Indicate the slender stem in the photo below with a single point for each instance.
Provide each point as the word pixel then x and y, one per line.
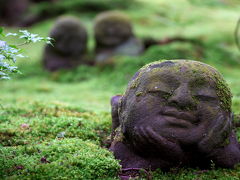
pixel 236 34
pixel 24 43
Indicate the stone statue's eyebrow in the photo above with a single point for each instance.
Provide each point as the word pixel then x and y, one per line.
pixel 159 86
pixel 170 80
pixel 202 86
pixel 198 82
pixel 206 91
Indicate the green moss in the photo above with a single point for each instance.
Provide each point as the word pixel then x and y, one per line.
pixel 190 174
pixel 139 93
pixel 47 121
pixel 88 89
pixel 58 159
pixel 119 137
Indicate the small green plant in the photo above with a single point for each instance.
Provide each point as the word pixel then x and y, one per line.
pixel 9 52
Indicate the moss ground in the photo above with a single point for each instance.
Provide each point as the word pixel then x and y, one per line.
pixel 54 125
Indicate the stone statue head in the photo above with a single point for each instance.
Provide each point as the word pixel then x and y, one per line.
pixel 112 28
pixel 70 36
pixel 175 110
pixel 69 45
pixel 183 101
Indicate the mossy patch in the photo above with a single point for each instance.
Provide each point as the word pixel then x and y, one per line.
pixel 59 159
pixel 45 122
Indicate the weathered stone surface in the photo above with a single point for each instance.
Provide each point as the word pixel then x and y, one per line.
pixel 174 113
pixel 114 36
pixel 70 45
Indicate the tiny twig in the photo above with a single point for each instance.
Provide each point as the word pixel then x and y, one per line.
pixel 24 43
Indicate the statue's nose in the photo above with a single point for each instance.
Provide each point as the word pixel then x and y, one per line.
pixel 182 98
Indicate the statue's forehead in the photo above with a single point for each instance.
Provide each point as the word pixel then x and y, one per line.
pixel 188 69
pixel 178 72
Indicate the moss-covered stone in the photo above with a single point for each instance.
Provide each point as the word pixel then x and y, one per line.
pixel 58 159
pixel 174 113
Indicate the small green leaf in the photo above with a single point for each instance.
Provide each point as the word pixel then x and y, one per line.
pixel 11 34
pixel 1 32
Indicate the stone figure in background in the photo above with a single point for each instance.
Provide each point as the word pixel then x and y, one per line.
pixel 69 46
pixel 114 36
pixel 174 113
pixel 12 11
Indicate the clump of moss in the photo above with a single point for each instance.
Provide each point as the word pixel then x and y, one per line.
pixel 58 159
pixel 194 68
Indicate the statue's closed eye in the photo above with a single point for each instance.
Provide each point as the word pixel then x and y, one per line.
pixel 160 93
pixel 201 97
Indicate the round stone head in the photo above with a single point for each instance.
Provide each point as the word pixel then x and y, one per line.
pixel 70 37
pixel 178 101
pixel 112 28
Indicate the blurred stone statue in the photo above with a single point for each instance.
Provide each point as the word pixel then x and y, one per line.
pixel 69 45
pixel 174 113
pixel 12 11
pixel 114 36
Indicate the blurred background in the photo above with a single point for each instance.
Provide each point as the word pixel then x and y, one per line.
pixel 183 29
pixel 205 29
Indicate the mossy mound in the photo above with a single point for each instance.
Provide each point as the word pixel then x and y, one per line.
pixel 58 159
pixel 44 122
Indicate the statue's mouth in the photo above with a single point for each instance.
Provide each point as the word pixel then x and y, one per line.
pixel 178 118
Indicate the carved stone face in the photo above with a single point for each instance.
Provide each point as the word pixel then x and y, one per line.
pixel 181 102
pixel 112 28
pixel 70 37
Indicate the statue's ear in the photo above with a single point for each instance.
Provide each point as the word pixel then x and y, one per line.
pixel 115 118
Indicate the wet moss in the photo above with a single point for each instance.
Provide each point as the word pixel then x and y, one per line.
pixel 70 158
pixel 118 136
